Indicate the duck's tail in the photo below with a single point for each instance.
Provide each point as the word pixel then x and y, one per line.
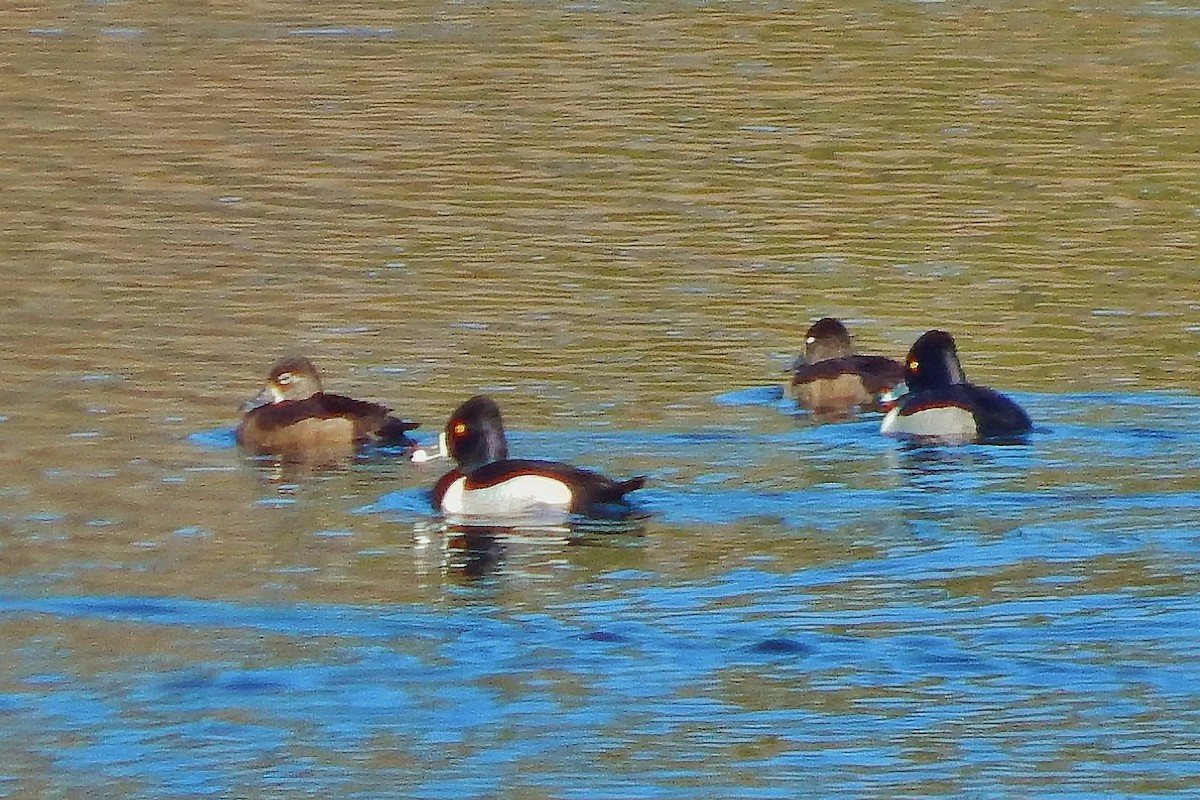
pixel 393 430
pixel 621 488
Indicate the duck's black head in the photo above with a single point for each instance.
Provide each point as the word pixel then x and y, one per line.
pixel 932 362
pixel 475 434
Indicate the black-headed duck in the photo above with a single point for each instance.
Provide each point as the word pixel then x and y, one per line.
pixel 487 484
pixel 942 405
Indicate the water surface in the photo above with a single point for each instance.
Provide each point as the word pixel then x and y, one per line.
pixel 619 219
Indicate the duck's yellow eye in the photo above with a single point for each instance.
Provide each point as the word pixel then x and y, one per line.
pixel 912 365
pixel 459 428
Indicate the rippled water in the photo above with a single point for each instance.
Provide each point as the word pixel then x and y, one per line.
pixel 618 219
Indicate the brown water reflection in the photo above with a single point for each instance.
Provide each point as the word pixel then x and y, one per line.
pixel 615 214
pixel 192 194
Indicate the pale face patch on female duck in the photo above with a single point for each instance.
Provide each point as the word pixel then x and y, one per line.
pixel 945 422
pixel 291 378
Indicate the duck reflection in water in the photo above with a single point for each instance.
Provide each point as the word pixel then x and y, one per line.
pixel 472 552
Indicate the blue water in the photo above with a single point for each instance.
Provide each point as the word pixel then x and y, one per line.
pixel 807 611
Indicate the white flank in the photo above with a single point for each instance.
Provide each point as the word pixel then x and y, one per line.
pixel 945 422
pixel 519 496
pixel 452 500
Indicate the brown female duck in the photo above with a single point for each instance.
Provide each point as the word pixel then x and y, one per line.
pixel 295 419
pixel 830 378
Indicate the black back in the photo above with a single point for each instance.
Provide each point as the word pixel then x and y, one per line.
pixel 996 415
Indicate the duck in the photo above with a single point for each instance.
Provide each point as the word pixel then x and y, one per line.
pixel 831 379
pixel 294 418
pixel 488 485
pixel 941 404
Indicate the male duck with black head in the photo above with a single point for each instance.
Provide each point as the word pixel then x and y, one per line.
pixel 488 485
pixel 942 406
pixel 831 380
pixel 295 419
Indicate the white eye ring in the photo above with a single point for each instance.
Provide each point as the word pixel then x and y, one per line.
pixel 285 378
pixel 810 340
